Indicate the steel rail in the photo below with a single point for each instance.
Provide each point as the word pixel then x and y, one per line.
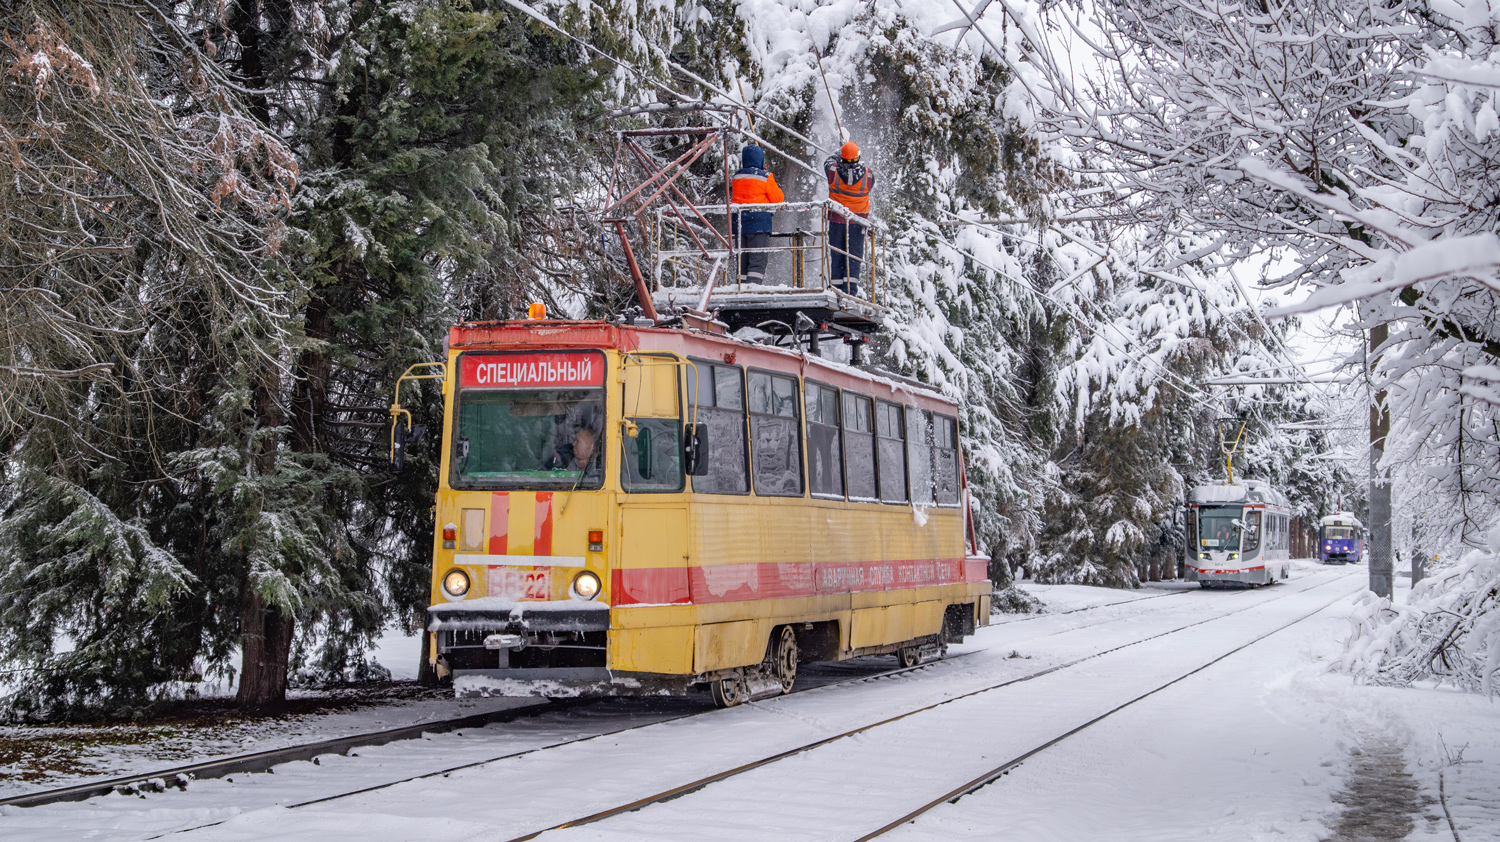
pixel 262 760
pixel 996 773
pixel 1045 615
pixel 694 786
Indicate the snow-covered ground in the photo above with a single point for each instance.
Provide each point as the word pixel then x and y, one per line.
pixel 1253 743
pixel 43 757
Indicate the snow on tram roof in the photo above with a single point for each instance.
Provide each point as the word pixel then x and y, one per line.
pixel 601 334
pixel 1246 491
pixel 1340 519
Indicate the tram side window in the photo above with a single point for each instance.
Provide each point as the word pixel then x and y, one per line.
pixel 890 452
pixel 775 435
pixel 1250 539
pixel 919 454
pixel 859 446
pixel 721 410
pixel 825 463
pixel 945 459
pixel 653 456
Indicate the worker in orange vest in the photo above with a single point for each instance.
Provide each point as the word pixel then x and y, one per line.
pixel 753 185
pixel 849 184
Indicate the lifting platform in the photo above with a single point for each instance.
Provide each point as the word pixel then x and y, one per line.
pixel 693 259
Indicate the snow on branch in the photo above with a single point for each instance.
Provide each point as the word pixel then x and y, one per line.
pixel 1448 630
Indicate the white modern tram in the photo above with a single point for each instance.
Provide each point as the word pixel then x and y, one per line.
pixel 1237 534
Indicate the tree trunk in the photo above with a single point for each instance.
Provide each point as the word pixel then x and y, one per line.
pixel 1380 478
pixel 426 675
pixel 266 646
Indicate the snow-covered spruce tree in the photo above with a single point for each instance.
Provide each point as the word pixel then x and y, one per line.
pixel 139 202
pixel 437 142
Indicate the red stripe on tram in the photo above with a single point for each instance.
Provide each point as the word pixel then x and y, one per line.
pixel 649 586
pixel 781 580
pixel 499 522
pixel 542 537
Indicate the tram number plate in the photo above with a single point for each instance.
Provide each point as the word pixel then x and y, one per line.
pixel 521 584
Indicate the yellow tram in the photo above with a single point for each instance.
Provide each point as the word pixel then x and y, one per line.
pixel 632 509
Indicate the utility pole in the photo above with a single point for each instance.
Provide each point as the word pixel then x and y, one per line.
pixel 1380 478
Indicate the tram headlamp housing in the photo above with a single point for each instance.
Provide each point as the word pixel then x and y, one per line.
pixel 456 583
pixel 586 585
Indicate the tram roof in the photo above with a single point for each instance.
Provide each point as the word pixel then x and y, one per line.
pixel 546 333
pixel 1245 491
pixel 1340 519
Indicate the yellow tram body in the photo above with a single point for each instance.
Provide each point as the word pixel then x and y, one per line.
pixel 697 576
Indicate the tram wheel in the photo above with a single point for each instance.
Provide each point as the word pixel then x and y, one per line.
pixel 730 691
pixel 909 656
pixel 784 663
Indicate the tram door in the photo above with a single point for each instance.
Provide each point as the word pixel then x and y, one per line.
pixel 651 562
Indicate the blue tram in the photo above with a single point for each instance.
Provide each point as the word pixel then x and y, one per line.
pixel 1341 539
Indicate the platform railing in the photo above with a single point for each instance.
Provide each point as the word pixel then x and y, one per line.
pixel 800 252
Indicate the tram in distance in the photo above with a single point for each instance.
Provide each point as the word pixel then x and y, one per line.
pixel 628 510
pixel 1341 539
pixel 1237 534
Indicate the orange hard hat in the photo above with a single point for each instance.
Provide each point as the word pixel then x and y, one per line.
pixel 850 151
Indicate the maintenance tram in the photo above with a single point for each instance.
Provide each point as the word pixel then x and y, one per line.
pixel 630 509
pixel 1239 533
pixel 1340 539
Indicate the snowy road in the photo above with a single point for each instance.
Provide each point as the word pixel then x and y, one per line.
pixel 1255 745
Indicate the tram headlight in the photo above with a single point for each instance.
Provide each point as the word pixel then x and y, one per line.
pixel 1233 556
pixel 586 585
pixel 456 583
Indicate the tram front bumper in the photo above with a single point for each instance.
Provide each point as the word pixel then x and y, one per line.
pixel 503 616
pixel 561 643
pixel 1258 576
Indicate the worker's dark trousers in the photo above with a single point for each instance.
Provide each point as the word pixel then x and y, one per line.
pixel 845 237
pixel 753 263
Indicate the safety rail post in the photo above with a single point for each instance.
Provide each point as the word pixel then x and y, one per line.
pixel 823 221
pixel 799 261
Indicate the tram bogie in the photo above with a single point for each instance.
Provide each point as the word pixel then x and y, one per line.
pixel 639 510
pixel 1239 534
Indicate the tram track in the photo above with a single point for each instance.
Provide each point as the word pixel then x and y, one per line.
pixel 180 776
pixel 994 774
pixel 560 744
pixel 989 776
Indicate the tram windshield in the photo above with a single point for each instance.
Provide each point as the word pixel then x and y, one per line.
pixel 1217 529
pixel 1338 532
pixel 529 439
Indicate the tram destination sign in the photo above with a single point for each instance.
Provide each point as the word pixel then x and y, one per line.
pixel 560 370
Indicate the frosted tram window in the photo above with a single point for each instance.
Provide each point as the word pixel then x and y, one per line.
pixel 945 459
pixel 775 435
pixel 721 410
pixel 919 455
pixel 528 439
pixel 890 452
pixel 859 446
pixel 825 463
